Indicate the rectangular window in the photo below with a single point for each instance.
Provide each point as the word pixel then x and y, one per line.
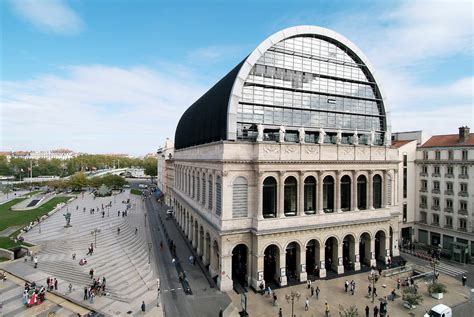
pixel 464 155
pixel 464 170
pixel 423 200
pixel 436 185
pixel 450 155
pixel 462 224
pixel 437 155
pixel 424 169
pixel 463 205
pixel 463 187
pixel 425 155
pixel 449 203
pixel 435 219
pixel 423 216
pixel 450 170
pixel 405 176
pixel 435 202
pixel 405 212
pixel 424 185
pixel 449 222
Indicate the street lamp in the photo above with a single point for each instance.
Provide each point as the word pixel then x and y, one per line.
pixel 373 278
pixel 149 252
pixel 292 296
pixel 95 232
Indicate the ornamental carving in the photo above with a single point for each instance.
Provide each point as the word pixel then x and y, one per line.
pixel 312 150
pixel 361 151
pixel 346 151
pixel 290 149
pixel 271 149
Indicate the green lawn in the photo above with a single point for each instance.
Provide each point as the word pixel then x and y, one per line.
pixel 32 193
pixel 136 191
pixel 22 218
pixel 7 243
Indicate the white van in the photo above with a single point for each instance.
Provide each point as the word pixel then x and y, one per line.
pixel 440 311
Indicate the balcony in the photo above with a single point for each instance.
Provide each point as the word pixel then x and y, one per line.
pixel 424 206
pixel 448 209
pixel 462 212
pixel 449 175
pixel 435 191
pixel 463 194
pixel 423 189
pixel 422 221
pixel 449 192
pixel 435 175
pixel 435 224
pixel 435 207
pixel 463 176
pixel 424 174
pixel 448 226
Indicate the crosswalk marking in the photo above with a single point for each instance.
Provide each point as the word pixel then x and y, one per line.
pixel 448 269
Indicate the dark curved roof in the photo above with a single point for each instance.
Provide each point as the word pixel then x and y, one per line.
pixel 205 120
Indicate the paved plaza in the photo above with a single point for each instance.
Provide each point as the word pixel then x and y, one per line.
pixel 332 292
pixel 120 257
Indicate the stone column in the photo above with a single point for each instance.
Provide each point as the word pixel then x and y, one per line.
pixel 198 243
pixel 387 249
pixel 301 194
pixel 190 228
pixel 224 279
pixel 357 258
pixel 319 194
pixel 195 236
pixel 373 262
pixel 322 263
pixel 354 200
pixel 258 265
pixel 204 251
pixel 337 192
pixel 384 189
pixel 395 239
pixel 339 262
pixel 370 191
pixel 259 199
pixel 281 195
pixel 303 275
pixel 395 187
pixel 214 199
pixel 282 277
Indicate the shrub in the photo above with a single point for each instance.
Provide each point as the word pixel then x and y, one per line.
pixel 437 288
pixel 411 296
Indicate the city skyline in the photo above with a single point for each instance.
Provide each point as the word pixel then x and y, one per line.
pixel 127 84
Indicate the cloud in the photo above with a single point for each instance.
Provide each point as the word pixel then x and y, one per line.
pixel 212 54
pixel 95 108
pixel 49 15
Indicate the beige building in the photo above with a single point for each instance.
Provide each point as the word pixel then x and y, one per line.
pixel 284 169
pixel 164 167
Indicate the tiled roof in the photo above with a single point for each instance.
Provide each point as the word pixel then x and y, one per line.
pixel 448 140
pixel 401 143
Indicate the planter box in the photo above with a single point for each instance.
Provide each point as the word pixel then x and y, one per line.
pixel 437 295
pixel 406 305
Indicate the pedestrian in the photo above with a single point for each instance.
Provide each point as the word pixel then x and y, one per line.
pixel 55 284
pixel 308 283
pixel 464 279
pixel 118 213
pixel 118 230
pixel 317 292
pixel 173 261
pixel 136 230
pixel 70 287
pixel 326 309
pixel 48 280
pixel 103 214
pixel 35 261
pixel 74 256
pixel 369 289
pixel 312 290
pixel 306 304
pixel 393 295
pixel 91 298
pixel 91 273
pixel 85 293
pixel 194 260
pixel 375 291
pixel 376 311
pixel 398 283
pixel 143 306
pixel 380 271
pixel 367 311
pixel 280 313
pixel 346 285
pixel 221 313
pixel 275 299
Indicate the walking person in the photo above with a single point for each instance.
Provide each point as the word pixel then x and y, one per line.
pixel 306 304
pixel 326 309
pixel 55 284
pixel 346 285
pixel 376 311
pixel 367 311
pixel 143 306
pixel 312 290
pixel 35 261
pixel 275 299
pixel 85 293
pixel 369 290
pixel 464 279
pixel 317 292
pixel 91 273
pixel 118 231
pixel 375 291
pixel 398 283
pixel 91 298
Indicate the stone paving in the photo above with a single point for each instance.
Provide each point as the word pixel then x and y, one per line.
pixel 121 258
pixel 332 292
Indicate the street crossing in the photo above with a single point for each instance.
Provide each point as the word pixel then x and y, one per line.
pixel 448 269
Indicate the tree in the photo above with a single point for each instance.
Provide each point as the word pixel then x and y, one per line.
pixel 349 312
pixel 412 297
pixel 150 165
pixel 6 190
pixel 78 181
pixel 437 288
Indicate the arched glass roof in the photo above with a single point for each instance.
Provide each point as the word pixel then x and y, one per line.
pixel 304 76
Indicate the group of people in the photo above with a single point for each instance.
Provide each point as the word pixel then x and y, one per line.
pixel 350 286
pixel 97 288
pixel 52 283
pixel 33 294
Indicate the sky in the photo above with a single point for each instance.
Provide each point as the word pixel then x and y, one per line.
pixel 115 76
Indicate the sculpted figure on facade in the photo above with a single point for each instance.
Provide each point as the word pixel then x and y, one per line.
pixel 282 133
pixel 321 136
pixel 259 132
pixel 355 138
pixel 339 136
pixel 372 137
pixel 301 134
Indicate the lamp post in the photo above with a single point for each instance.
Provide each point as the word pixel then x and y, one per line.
pixel 149 252
pixel 373 278
pixel 95 232
pixel 145 219
pixel 434 262
pixel 291 297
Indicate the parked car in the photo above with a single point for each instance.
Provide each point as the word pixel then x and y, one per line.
pixel 440 310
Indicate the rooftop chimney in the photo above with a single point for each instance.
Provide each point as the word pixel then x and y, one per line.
pixel 463 134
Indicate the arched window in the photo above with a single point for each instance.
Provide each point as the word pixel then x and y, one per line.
pixel 211 197
pixel 203 195
pixel 345 193
pixel 361 192
pixel 239 198
pixel 198 192
pixel 328 194
pixel 218 195
pixel 310 195
pixel 291 196
pixel 377 186
pixel 269 198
